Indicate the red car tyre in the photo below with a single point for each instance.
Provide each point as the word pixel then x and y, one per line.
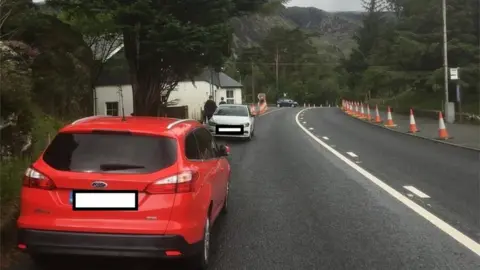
pixel 200 261
pixel 225 203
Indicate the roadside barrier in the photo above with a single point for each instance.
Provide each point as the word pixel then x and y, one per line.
pixel 253 110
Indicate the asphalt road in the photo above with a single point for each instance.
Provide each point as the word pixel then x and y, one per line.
pixel 295 205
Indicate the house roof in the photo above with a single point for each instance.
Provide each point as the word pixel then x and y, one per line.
pixel 115 72
pixel 227 82
pixel 102 46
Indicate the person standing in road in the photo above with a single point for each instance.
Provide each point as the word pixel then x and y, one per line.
pixel 222 101
pixel 209 108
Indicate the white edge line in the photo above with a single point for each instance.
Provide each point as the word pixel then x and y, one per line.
pixel 442 225
pixel 352 154
pixel 416 191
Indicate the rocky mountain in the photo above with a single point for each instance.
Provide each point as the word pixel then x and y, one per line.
pixel 331 31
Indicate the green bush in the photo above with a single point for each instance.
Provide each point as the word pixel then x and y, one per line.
pixel 11 171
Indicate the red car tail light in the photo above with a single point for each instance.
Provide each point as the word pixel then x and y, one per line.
pixel 36 179
pixel 179 183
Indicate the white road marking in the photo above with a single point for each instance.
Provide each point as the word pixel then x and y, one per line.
pixel 352 154
pixel 304 122
pixel 325 138
pixel 439 223
pixel 416 192
pixel 310 128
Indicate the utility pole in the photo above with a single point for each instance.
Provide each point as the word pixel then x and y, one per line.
pixel 445 58
pixel 276 69
pixel 253 84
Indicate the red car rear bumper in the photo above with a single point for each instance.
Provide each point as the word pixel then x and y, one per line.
pixel 101 244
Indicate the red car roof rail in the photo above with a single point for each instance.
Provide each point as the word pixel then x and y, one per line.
pixel 88 118
pixel 171 125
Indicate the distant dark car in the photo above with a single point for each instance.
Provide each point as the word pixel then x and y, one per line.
pixel 285 102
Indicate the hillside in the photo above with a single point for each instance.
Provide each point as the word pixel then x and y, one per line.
pixel 332 32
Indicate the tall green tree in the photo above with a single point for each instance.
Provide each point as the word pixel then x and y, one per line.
pixel 99 32
pixel 166 41
pixel 403 54
pixel 303 73
pixel 367 38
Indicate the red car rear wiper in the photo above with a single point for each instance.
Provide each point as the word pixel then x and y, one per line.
pixel 119 166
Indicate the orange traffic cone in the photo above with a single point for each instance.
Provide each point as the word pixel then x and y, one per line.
pixel 378 120
pixel 389 122
pixel 442 130
pixel 369 116
pixel 362 112
pixel 413 125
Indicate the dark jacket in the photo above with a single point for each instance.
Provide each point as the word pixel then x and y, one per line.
pixel 209 107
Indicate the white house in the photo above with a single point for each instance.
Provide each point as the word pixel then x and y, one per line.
pixel 114 82
pixel 195 94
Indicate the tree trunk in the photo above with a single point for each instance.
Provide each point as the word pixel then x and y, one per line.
pixel 145 101
pixel 146 78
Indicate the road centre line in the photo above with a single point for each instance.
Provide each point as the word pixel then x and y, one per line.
pixel 439 223
pixel 416 192
pixel 352 154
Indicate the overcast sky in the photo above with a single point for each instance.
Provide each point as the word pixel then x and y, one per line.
pixel 329 5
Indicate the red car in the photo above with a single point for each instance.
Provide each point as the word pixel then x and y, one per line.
pixel 131 187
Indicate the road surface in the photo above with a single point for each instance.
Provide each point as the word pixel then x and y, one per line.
pixel 296 205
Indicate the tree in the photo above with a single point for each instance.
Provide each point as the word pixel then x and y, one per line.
pixel 400 51
pixel 303 74
pixel 100 34
pixel 367 38
pixel 165 42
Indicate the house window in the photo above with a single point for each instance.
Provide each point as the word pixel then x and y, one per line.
pixel 230 97
pixel 111 108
